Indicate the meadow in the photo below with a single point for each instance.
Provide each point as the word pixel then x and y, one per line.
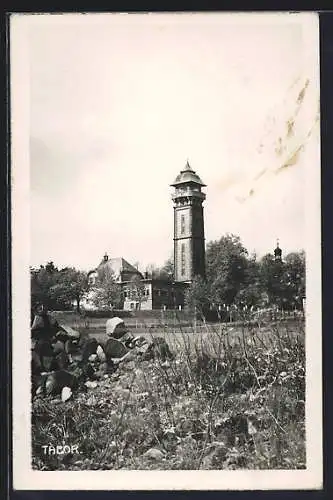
pixel 233 397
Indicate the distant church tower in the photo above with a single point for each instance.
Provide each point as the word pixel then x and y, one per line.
pixel 189 237
pixel 278 252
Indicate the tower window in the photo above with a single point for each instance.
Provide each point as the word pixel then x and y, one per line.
pixel 183 259
pixel 182 224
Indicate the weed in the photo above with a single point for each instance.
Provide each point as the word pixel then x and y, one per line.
pixel 229 399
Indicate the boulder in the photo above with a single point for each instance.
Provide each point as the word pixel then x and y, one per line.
pixel 53 383
pixel 36 364
pixel 114 349
pixel 38 322
pixel 66 394
pixel 61 361
pixel 87 346
pixel 73 350
pixel 153 454
pixel 102 370
pixel 158 348
pixel 215 456
pixel 43 348
pixel 44 326
pixel 44 352
pixel 58 347
pixel 100 354
pixel 70 332
pixel 81 371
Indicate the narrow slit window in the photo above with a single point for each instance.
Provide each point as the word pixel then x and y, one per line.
pixel 183 259
pixel 182 224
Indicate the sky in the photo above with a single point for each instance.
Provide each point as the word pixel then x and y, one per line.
pixel 118 104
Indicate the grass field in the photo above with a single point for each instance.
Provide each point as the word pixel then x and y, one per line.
pixel 232 398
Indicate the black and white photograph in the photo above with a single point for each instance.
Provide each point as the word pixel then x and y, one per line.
pixel 166 251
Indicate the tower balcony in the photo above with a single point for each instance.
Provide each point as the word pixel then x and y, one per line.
pixel 188 193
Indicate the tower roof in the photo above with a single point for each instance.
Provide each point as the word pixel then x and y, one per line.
pixel 277 251
pixel 187 175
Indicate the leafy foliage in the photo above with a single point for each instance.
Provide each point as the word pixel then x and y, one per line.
pixel 70 286
pixel 233 280
pixel 226 268
pixel 54 288
pixel 197 295
pixel 166 272
pixel 107 294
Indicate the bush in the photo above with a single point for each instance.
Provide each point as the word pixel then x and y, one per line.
pixel 107 314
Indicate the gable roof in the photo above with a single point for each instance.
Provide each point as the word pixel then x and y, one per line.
pixel 119 265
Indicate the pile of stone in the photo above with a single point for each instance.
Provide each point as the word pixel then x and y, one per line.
pixel 63 360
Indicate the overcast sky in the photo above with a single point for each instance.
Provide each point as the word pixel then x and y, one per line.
pixel 118 103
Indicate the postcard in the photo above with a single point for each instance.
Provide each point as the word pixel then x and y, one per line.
pixel 166 251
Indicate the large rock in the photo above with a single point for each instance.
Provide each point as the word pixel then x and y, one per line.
pixel 158 348
pixel 153 454
pixel 101 354
pixel 44 326
pixel 53 383
pixel 58 347
pixel 44 320
pixel 114 349
pixel 61 361
pixel 88 346
pixel 73 350
pixel 44 352
pixel 70 332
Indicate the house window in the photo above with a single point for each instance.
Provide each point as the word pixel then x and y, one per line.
pixel 183 259
pixel 182 224
pixel 132 305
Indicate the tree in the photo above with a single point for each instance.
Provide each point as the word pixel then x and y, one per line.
pixel 70 286
pixel 197 295
pixel 168 269
pixel 284 281
pixel 250 293
pixel 107 294
pixel 272 280
pixel 137 290
pixel 166 272
pixel 294 277
pixel 52 288
pixel 226 263
pixel 42 279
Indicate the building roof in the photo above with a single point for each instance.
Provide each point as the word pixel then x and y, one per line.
pixel 187 175
pixel 118 265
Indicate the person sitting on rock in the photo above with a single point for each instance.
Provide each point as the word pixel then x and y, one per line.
pixel 121 343
pixel 118 346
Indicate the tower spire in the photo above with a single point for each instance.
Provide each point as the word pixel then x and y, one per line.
pixel 187 167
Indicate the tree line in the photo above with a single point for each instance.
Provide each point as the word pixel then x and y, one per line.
pixel 233 277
